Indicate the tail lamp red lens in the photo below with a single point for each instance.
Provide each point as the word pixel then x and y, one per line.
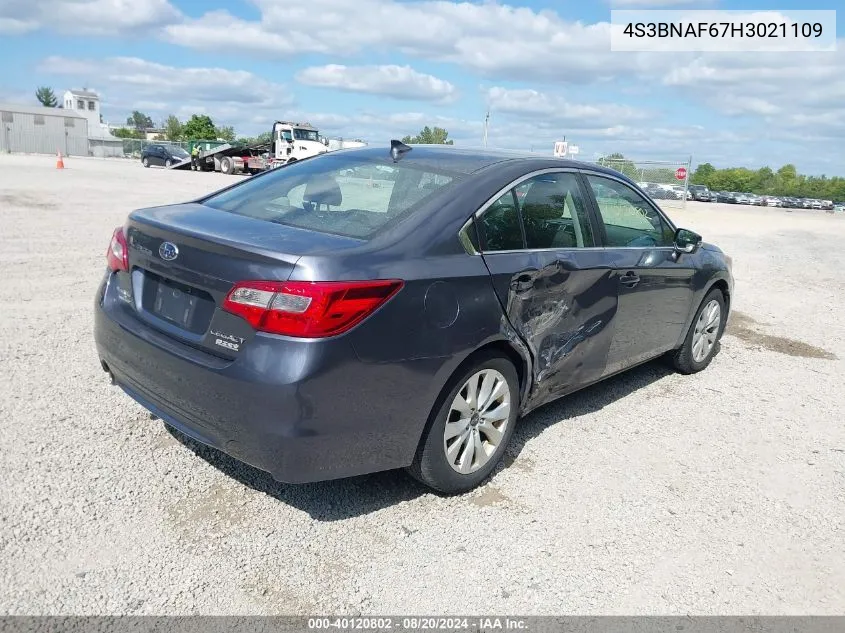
pixel 117 255
pixel 308 309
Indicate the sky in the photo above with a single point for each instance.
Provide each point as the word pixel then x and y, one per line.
pixel 381 69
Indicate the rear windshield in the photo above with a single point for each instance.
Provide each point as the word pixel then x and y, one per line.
pixel 334 193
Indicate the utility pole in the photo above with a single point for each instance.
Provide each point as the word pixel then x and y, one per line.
pixel 486 124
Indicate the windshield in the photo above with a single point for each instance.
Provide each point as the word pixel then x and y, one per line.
pixel 305 135
pixel 337 194
pixel 178 151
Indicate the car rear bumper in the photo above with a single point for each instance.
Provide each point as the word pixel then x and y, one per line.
pixel 301 410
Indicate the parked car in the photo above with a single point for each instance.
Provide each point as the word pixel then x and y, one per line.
pixel 679 189
pixel 728 197
pixel 162 155
pixel 772 201
pixel 701 193
pixel 317 328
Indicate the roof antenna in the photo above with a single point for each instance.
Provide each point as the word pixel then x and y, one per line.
pixel 398 149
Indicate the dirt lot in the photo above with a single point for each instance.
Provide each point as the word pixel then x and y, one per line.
pixel 652 493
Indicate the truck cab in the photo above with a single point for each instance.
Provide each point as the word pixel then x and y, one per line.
pixel 295 141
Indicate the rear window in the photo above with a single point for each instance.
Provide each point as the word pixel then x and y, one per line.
pixel 337 194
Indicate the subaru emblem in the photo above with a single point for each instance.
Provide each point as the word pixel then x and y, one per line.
pixel 168 251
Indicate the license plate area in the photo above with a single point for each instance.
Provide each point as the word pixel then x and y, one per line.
pixel 176 303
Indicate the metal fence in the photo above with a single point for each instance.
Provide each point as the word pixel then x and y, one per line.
pixel 666 182
pixel 20 142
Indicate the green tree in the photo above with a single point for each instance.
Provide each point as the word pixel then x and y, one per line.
pixel 199 127
pixel 173 128
pixel 226 133
pixel 764 181
pixel 139 121
pixel 429 136
pixel 702 174
pixel 45 95
pixel 786 181
pixel 261 139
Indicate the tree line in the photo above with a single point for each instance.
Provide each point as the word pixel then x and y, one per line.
pixel 786 181
pixel 198 127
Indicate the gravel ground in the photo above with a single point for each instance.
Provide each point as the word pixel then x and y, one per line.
pixel 720 493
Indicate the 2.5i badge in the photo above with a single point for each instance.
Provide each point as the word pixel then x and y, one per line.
pixel 227 341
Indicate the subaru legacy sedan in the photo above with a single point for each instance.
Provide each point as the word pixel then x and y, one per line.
pixel 398 307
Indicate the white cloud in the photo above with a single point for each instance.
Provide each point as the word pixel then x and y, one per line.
pixel 129 83
pixel 92 17
pixel 400 82
pixel 549 109
pixel 650 4
pixel 488 38
pixel 778 91
pixel 14 26
pixel 159 81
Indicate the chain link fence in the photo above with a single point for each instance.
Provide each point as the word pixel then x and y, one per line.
pixel 21 142
pixel 666 182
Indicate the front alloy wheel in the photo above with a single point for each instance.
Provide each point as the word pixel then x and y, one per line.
pixel 702 341
pixel 706 331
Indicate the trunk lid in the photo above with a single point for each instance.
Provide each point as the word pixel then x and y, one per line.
pixel 184 259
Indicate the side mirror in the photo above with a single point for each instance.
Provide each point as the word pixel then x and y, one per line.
pixel 686 241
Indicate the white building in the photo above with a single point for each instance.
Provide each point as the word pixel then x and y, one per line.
pixel 87 103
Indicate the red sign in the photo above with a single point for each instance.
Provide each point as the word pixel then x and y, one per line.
pixel 681 173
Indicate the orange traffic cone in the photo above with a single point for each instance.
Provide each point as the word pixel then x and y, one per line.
pixel 60 164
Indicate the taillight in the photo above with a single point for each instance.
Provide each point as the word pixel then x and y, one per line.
pixel 118 254
pixel 310 309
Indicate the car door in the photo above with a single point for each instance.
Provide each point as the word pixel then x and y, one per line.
pixel 155 155
pixel 655 283
pixel 538 240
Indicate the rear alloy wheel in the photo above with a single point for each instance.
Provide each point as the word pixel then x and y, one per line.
pixel 702 341
pixel 467 436
pixel 145 161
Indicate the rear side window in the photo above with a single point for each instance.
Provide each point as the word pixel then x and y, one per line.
pixel 334 194
pixel 554 212
pixel 499 225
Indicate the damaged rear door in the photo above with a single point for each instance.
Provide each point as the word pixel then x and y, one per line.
pixel 538 239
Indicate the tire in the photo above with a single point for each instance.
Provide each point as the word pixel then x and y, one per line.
pixel 431 465
pixel 168 163
pixel 145 162
pixel 227 166
pixel 687 360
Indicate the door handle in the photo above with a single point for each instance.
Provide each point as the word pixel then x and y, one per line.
pixel 630 279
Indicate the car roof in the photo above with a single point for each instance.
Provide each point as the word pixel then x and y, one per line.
pixel 470 160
